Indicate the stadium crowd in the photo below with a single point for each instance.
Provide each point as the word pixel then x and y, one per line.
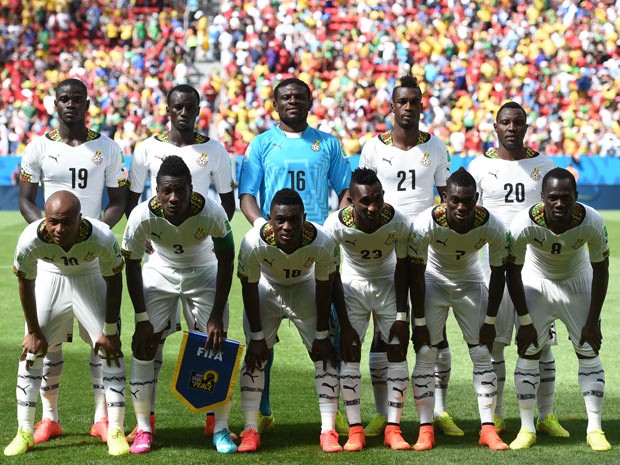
pixel 559 59
pixel 129 55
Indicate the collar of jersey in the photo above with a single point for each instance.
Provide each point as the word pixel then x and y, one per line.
pixel 346 215
pixel 386 138
pixel 529 153
pixel 54 135
pixel 537 215
pixel 165 137
pixel 308 234
pixel 440 215
pixel 86 229
pixel 197 203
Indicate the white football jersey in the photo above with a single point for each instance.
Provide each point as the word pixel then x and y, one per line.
pixel 207 160
pixel 558 256
pixel 83 170
pixel 259 255
pixel 96 251
pixel 369 256
pixel 408 176
pixel 454 256
pixel 508 186
pixel 175 246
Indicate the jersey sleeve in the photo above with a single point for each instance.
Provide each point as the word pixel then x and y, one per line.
pixel 114 175
pixel 339 169
pixel 219 227
pixel 138 169
pixel 24 261
pixel 418 244
pixel 31 163
pixel 222 174
pixel 442 172
pixel 252 171
pixel 327 260
pixel 598 243
pixel 367 158
pixel 498 243
pixel 248 265
pixel 402 240
pixel 110 259
pixel 134 236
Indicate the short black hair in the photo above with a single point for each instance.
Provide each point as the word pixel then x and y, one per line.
pixel 72 82
pixel 364 177
pixel 559 173
pixel 287 196
pixel 512 105
pixel 175 167
pixel 461 177
pixel 408 81
pixel 294 81
pixel 183 89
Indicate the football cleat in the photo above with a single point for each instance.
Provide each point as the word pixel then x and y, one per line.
pixel 489 438
pixel 426 438
pixel 223 442
pixel 550 426
pixel 500 424
pixel 524 440
pixel 100 429
pixel 445 425
pixel 596 440
pixel 22 443
pixel 117 443
pixel 393 438
pixel 375 426
pixel 131 436
pixel 342 425
pixel 250 441
pixel 142 443
pixel 265 423
pixel 356 441
pixel 329 442
pixel 45 430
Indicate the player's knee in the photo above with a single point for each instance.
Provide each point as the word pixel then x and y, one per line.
pixel 498 351
pixel 480 355
pixel 426 355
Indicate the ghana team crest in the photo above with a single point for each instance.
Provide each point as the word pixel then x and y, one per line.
pixel 579 243
pixel 97 159
pixel 426 160
pixel 315 146
pixel 202 160
pixel 390 239
pixel 200 233
pixel 480 243
pixel 89 257
pixel 309 262
pixel 535 174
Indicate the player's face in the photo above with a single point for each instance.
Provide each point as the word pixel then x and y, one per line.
pixel 63 224
pixel 407 106
pixel 461 206
pixel 367 202
pixel 511 126
pixel 287 223
pixel 183 110
pixel 292 104
pixel 559 199
pixel 174 194
pixel 71 104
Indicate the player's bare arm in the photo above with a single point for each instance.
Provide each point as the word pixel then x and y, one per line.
pixel 249 207
pixel 143 342
pixel 257 351
pixel 417 289
pixel 223 281
pixel 591 332
pixel 496 291
pixel 227 201
pixel 133 199
pixel 34 341
pixel 343 199
pixel 322 347
pixel 526 335
pixel 27 206
pixel 116 207
pixel 399 328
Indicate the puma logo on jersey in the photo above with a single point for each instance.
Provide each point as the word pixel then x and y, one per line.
pixel 269 262
pixel 273 144
pixel 539 241
pixel 49 259
pixel 55 158
pixel 157 235
pixel 493 174
pixel 444 243
pixel 388 160
pixel 353 242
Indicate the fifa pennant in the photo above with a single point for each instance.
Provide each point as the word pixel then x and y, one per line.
pixel 203 379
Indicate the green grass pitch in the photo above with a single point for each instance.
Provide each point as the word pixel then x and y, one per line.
pixel 296 437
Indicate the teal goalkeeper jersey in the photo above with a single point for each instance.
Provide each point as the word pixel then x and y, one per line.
pixel 309 164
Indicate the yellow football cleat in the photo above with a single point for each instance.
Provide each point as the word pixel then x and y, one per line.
pixel 22 443
pixel 597 441
pixel 524 440
pixel 445 425
pixel 550 426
